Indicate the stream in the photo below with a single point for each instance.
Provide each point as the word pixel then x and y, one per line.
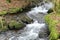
pixel 37 30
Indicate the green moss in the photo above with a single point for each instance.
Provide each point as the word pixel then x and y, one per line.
pixel 16 25
pixel 11 10
pixel 3 25
pixel 3 12
pixel 54 34
pixel 52 26
pixel 14 10
pixel 3 29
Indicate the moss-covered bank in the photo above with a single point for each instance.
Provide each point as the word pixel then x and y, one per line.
pixel 53 22
pixel 12 6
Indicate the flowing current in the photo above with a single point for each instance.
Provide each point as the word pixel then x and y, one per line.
pixel 38 29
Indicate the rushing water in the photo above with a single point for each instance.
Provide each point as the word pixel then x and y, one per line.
pixel 31 31
pixel 34 31
pixel 38 29
pixel 39 12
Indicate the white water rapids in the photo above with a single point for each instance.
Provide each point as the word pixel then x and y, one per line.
pixel 36 30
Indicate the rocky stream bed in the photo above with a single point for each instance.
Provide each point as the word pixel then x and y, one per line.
pixel 36 30
pixel 30 21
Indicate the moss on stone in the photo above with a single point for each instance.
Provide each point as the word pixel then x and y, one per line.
pixel 3 12
pixel 11 10
pixel 16 25
pixel 3 25
pixel 14 10
pixel 26 19
pixel 15 21
pixel 3 29
pixel 54 34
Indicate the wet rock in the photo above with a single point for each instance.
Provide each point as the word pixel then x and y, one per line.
pixel 50 11
pixel 26 19
pixel 15 25
pixel 14 21
pixel 44 32
pixel 53 21
pixel 3 25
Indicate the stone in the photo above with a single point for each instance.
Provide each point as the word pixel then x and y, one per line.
pixel 14 21
pixel 3 25
pixel 16 25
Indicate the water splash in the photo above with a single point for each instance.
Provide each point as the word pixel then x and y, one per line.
pixel 39 12
pixel 42 9
pixel 32 31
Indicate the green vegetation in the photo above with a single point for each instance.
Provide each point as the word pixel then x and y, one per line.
pixel 13 21
pixel 11 10
pixel 16 25
pixel 52 20
pixel 52 26
pixel 14 10
pixel 3 12
pixel 3 25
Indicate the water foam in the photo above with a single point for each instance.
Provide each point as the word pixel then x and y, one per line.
pixel 32 31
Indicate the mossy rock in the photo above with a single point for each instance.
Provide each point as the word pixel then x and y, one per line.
pixel 15 10
pixel 52 21
pixel 26 19
pixel 3 12
pixel 11 10
pixel 14 21
pixel 3 24
pixel 16 25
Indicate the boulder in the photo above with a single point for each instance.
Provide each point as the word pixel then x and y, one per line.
pixel 14 21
